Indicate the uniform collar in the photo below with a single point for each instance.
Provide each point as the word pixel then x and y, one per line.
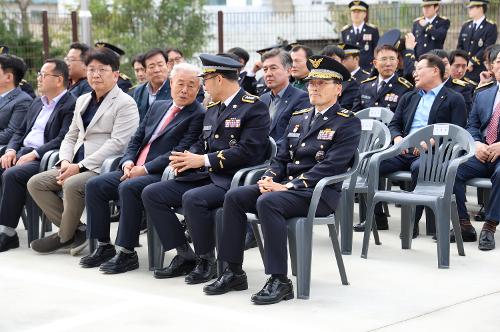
pixel 323 111
pixel 359 27
pixel 478 22
pixel 430 20
pixel 386 80
pixel 230 99
pixel 355 71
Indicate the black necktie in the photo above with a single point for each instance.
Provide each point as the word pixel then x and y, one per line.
pixel 314 118
pixel 381 86
pixel 474 28
pixel 222 107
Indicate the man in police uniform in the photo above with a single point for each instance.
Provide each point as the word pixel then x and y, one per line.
pixel 458 66
pixel 124 82
pixel 351 62
pixel 430 29
pixel 476 35
pixel 319 142
pixel 363 35
pixel 386 88
pixel 235 135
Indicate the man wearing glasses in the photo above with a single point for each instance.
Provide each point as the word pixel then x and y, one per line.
pixel 102 125
pixel 43 129
pixel 235 135
pixel 75 59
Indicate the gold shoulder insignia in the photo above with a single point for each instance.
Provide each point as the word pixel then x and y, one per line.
pixel 364 71
pixel 459 82
pixel 405 82
pixel 249 98
pixel 303 111
pixel 345 113
pixel 371 25
pixel 125 77
pixel 345 27
pixel 490 21
pixel 444 18
pixel 484 85
pixel 468 21
pixel 471 82
pixel 211 104
pixel 369 79
pixel 418 19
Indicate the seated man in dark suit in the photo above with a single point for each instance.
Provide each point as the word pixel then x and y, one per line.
pixel 483 126
pixel 13 101
pixel 235 135
pixel 171 125
pixel 43 129
pixel 431 103
pixel 247 79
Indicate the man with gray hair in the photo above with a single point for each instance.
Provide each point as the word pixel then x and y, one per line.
pixel 170 125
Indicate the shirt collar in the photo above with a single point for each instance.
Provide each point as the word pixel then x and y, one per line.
pixel 479 21
pixel 380 79
pixel 355 71
pixel 323 111
pixel 46 102
pixel 430 20
pixel 281 93
pixel 359 27
pixel 150 88
pixel 434 91
pixel 230 99
pixel 6 93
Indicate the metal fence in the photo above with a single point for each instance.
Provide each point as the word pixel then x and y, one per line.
pixel 49 36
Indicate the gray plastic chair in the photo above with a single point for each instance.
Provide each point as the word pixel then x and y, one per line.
pixel 434 189
pixel 375 137
pixel 156 253
pixel 381 114
pixel 300 231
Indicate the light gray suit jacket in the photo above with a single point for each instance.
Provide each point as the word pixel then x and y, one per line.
pixel 109 132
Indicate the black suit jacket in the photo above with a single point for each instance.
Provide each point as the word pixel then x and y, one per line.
pixel 56 128
pixel 448 107
pixel 182 132
pixel 13 108
pixel 80 88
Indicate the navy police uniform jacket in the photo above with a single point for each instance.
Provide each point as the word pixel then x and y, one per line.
pixel 79 88
pixel 361 75
pixel 463 88
pixel 448 107
pixel 309 153
pixel 237 138
pixel 388 96
pixel 350 93
pixel 431 36
pixel 366 41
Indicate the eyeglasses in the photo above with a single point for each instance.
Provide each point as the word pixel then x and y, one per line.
pixel 386 59
pixel 204 79
pixel 99 71
pixel 69 60
pixel 175 60
pixel 43 75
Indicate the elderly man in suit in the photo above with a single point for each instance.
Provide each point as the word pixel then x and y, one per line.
pixel 14 102
pixel 171 125
pixel 431 103
pixel 103 122
pixel 43 129
pixel 483 126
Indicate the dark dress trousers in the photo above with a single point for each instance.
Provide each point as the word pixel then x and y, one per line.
pixel 234 139
pixel 13 108
pixel 14 179
pixel 293 100
pixel 308 153
pixel 178 135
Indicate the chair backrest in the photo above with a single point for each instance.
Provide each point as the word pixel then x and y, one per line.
pixel 381 114
pixel 450 145
pixel 375 137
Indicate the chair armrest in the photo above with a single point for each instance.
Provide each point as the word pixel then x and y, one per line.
pixel 254 175
pixel 453 168
pixel 374 166
pixel 44 162
pixel 53 159
pixel 110 164
pixel 235 182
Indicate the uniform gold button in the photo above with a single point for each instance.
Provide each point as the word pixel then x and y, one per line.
pixel 216 136
pixel 425 45
pixel 376 103
pixel 290 177
pixel 232 136
pixel 210 169
pixel 321 146
pixel 303 144
pixel 297 162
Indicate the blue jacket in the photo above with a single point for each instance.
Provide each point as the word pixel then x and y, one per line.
pixel 13 108
pixel 481 113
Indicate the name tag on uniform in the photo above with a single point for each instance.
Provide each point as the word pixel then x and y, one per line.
pixel 232 123
pixel 367 37
pixel 391 97
pixel 365 97
pixel 293 135
pixel 207 127
pixel 326 134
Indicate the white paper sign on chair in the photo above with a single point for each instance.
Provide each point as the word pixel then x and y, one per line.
pixel 366 124
pixel 374 113
pixel 441 130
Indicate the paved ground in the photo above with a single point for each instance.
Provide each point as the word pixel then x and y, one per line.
pixel 393 290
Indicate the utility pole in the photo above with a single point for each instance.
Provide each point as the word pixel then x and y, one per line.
pixel 86 19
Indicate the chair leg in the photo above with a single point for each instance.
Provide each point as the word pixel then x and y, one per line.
pixel 346 221
pixel 368 228
pixel 302 232
pixel 442 212
pixel 407 222
pixel 338 257
pixel 258 239
pixel 156 254
pixel 456 228
pixel 24 218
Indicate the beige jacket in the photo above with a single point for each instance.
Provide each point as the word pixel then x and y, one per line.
pixel 109 132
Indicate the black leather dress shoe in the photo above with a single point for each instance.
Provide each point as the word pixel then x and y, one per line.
pixel 250 241
pixel 468 235
pixel 228 281
pixel 179 266
pixel 101 254
pixel 205 270
pixel 8 242
pixel 120 263
pixel 274 291
pixel 486 240
pixel 381 220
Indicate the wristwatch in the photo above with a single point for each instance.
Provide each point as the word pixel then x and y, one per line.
pixel 289 185
pixel 82 168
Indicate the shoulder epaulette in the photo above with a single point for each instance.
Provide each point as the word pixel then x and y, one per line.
pixel 405 82
pixel 248 98
pixel 364 71
pixel 369 79
pixel 211 104
pixel 468 80
pixel 345 27
pixel 371 25
pixel 125 77
pixel 484 85
pixel 490 21
pixel 305 110
pixel 444 17
pixel 468 21
pixel 134 86
pixel 459 82
pixel 345 113
pixel 418 19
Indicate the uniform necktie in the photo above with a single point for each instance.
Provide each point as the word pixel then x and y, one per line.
pixel 222 107
pixel 381 86
pixel 474 28
pixel 314 118
pixel 145 150
pixel 492 129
